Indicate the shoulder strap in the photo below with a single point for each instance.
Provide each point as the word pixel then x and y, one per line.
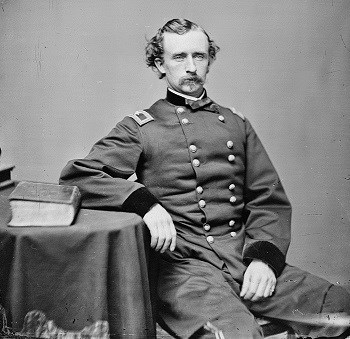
pixel 233 110
pixel 141 117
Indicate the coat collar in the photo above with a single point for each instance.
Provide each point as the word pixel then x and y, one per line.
pixel 204 103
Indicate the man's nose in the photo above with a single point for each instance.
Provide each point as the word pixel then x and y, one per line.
pixel 191 65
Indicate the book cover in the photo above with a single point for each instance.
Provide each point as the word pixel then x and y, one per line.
pixel 43 204
pixel 5 176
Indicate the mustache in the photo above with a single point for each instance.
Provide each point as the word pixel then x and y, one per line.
pixel 193 79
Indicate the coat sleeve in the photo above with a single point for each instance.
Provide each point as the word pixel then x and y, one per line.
pixel 102 175
pixel 267 212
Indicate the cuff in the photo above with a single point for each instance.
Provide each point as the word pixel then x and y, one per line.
pixel 266 252
pixel 139 201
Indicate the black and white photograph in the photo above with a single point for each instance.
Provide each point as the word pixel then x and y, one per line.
pixel 174 169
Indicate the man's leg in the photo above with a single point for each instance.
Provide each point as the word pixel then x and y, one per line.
pixel 192 293
pixel 300 299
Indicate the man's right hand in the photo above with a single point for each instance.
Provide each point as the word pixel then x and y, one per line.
pixel 161 226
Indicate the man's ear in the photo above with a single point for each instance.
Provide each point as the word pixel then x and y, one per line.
pixel 159 64
pixel 209 64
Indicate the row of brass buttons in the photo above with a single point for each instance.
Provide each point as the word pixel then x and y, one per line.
pixel 199 189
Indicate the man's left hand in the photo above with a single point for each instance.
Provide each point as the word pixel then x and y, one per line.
pixel 259 281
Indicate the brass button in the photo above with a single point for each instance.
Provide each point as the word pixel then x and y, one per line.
pixel 193 148
pixel 199 189
pixel 180 110
pixel 233 234
pixel 202 203
pixel 231 223
pixel 196 162
pixel 210 239
pixel 184 121
pixel 229 144
pixel 231 157
pixel 233 199
pixel 206 227
pixel 221 118
pixel 214 107
pixel 232 187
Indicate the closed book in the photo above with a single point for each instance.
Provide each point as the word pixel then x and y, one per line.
pixel 43 204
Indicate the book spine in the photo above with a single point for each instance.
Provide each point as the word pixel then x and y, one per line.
pixel 76 198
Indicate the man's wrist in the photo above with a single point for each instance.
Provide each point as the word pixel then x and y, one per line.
pixel 267 253
pixel 154 205
pixel 140 202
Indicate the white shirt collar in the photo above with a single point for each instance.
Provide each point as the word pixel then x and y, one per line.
pixel 187 96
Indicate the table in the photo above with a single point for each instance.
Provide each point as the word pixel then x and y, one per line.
pixel 96 269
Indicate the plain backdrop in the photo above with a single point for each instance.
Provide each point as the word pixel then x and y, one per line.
pixel 70 70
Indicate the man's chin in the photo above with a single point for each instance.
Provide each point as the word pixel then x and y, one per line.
pixel 192 90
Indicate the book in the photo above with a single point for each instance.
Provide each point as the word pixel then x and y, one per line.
pixel 43 204
pixel 5 176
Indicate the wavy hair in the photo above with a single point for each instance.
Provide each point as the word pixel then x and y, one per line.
pixel 154 47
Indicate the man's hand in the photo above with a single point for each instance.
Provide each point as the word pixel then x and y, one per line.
pixel 161 226
pixel 259 281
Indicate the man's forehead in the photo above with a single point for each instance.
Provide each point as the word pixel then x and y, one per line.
pixel 192 41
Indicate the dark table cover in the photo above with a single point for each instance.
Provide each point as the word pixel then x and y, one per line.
pixel 93 270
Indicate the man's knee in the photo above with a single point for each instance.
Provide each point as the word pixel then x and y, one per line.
pixel 337 300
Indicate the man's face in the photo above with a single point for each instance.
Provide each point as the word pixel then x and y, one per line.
pixel 185 61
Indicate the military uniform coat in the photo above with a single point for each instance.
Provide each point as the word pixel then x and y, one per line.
pixel 206 166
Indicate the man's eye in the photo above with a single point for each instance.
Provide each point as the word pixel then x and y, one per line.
pixel 178 57
pixel 199 56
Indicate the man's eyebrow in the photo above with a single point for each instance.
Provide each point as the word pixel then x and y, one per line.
pixel 180 54
pixel 183 54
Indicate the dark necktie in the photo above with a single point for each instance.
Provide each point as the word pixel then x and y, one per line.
pixel 196 104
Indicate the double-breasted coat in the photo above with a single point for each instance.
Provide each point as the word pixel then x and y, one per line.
pixel 206 166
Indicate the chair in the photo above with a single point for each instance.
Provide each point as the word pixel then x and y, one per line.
pixel 270 329
pixel 273 330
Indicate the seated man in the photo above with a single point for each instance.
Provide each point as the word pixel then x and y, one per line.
pixel 214 205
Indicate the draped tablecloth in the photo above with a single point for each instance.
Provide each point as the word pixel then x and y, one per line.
pixel 96 269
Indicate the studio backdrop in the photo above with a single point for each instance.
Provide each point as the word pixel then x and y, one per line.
pixel 70 70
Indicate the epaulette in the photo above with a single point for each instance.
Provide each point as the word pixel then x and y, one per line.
pixel 141 117
pixel 237 112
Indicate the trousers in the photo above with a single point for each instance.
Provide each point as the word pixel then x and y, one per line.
pixel 193 292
